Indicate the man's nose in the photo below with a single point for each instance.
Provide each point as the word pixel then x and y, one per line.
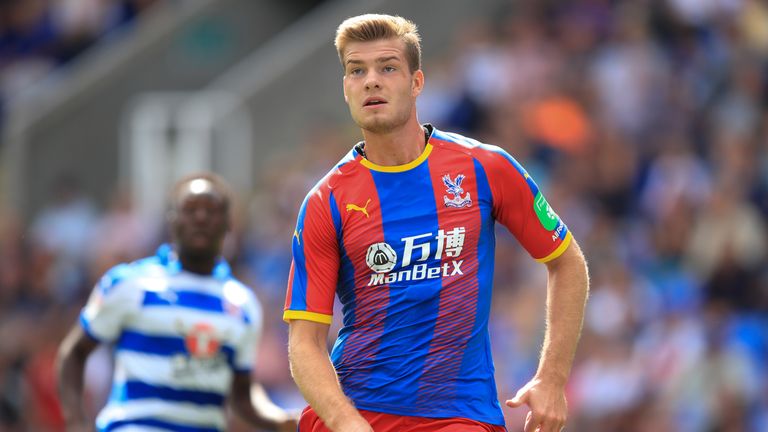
pixel 372 81
pixel 201 214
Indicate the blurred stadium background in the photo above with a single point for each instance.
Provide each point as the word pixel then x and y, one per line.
pixel 646 121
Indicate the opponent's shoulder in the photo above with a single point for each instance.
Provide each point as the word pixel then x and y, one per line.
pixel 129 273
pixel 240 296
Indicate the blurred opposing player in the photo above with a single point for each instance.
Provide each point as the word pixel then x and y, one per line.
pixel 184 331
pixel 402 231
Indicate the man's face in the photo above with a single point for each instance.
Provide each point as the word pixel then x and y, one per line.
pixel 378 85
pixel 201 219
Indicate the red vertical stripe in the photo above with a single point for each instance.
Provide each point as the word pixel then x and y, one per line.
pixel 321 253
pixel 370 310
pixel 458 296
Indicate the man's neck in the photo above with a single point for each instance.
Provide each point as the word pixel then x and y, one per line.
pixel 398 147
pixel 202 265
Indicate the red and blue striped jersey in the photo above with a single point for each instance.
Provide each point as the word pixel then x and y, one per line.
pixel 409 251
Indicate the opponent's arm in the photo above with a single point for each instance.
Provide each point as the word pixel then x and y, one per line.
pixel 567 288
pixel 251 402
pixel 70 367
pixel 316 378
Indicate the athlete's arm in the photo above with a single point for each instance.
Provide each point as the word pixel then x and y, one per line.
pixel 251 403
pixel 567 289
pixel 316 378
pixel 70 366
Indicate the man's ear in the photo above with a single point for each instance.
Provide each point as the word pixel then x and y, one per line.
pixel 417 83
pixel 344 88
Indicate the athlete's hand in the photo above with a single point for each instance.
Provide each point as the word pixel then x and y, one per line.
pixel 288 425
pixel 80 426
pixel 549 409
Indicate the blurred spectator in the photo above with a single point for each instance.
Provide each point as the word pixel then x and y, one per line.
pixel 37 36
pixel 629 73
pixel 120 235
pixel 61 233
pixel 27 43
pixel 728 245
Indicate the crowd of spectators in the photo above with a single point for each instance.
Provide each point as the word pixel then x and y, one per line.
pixel 38 36
pixel 646 123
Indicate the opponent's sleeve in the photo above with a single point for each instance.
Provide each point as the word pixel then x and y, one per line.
pixel 247 346
pixel 315 267
pixel 519 205
pixel 111 303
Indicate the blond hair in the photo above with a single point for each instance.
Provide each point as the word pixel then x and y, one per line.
pixel 372 27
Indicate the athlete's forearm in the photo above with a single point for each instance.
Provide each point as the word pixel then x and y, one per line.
pixel 70 369
pixel 316 378
pixel 567 291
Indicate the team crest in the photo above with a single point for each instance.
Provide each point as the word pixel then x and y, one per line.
pixel 201 340
pixel 453 187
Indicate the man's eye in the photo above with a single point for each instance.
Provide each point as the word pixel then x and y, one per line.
pixel 356 71
pixel 389 69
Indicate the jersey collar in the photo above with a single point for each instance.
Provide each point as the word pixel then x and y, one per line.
pixel 170 260
pixel 405 167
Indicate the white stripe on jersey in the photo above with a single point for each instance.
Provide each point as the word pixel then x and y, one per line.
pixel 174 412
pixel 159 371
pixel 185 281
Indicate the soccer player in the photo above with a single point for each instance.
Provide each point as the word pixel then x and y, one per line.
pixel 402 231
pixel 184 331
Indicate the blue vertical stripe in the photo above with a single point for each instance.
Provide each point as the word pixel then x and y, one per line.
pixel 335 216
pixel 408 209
pixel 534 188
pixel 479 347
pixel 299 287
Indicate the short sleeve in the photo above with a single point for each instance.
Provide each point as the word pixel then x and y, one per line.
pixel 520 205
pixel 247 346
pixel 315 267
pixel 113 300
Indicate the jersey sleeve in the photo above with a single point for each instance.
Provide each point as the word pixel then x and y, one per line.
pixel 519 205
pixel 111 303
pixel 315 267
pixel 247 346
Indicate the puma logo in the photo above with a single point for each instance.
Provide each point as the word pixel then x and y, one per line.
pixel 363 209
pixel 297 235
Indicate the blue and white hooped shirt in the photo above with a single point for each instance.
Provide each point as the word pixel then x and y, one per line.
pixel 178 337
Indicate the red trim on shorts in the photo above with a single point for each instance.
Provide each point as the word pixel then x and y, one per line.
pixel 382 422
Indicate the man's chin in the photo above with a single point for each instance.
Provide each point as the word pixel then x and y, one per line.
pixel 198 250
pixel 381 124
pixel 378 127
pixel 376 124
